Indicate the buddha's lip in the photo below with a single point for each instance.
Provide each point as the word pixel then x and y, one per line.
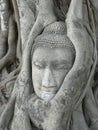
pixel 49 89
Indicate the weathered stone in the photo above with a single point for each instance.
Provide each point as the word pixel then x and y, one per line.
pixel 57 83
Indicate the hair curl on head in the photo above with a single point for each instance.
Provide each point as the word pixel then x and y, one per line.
pixel 54 36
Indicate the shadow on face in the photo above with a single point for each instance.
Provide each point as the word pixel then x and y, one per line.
pixel 49 68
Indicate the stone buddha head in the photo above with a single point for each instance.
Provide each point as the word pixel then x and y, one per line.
pixel 53 56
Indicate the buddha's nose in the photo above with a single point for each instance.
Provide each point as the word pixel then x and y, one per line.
pixel 48 79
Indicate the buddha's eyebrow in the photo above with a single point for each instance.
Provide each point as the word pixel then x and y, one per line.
pixel 60 62
pixel 38 61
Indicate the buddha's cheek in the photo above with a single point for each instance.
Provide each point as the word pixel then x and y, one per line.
pixel 37 81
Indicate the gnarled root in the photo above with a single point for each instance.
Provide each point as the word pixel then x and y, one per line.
pixel 12 39
pixel 45 16
pixel 3 45
pixel 4 18
pixel 17 18
pixel 9 109
pixel 10 77
pixel 80 76
pixel 7 114
pixel 91 109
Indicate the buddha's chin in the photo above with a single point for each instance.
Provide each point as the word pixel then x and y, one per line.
pixel 47 96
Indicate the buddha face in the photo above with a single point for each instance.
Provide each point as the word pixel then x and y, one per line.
pixel 49 68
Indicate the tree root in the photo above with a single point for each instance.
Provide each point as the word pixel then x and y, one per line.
pixel 7 114
pixel 91 109
pixel 12 76
pixel 4 101
pixel 5 12
pixel 46 16
pixel 80 76
pixel 19 51
pixel 95 4
pixel 3 45
pixel 10 56
pixel 4 17
pixel 4 82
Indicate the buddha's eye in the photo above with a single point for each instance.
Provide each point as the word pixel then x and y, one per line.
pixel 39 65
pixel 61 66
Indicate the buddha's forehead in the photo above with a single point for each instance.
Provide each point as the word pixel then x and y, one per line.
pixel 49 54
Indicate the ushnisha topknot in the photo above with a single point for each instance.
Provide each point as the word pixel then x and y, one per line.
pixel 54 36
